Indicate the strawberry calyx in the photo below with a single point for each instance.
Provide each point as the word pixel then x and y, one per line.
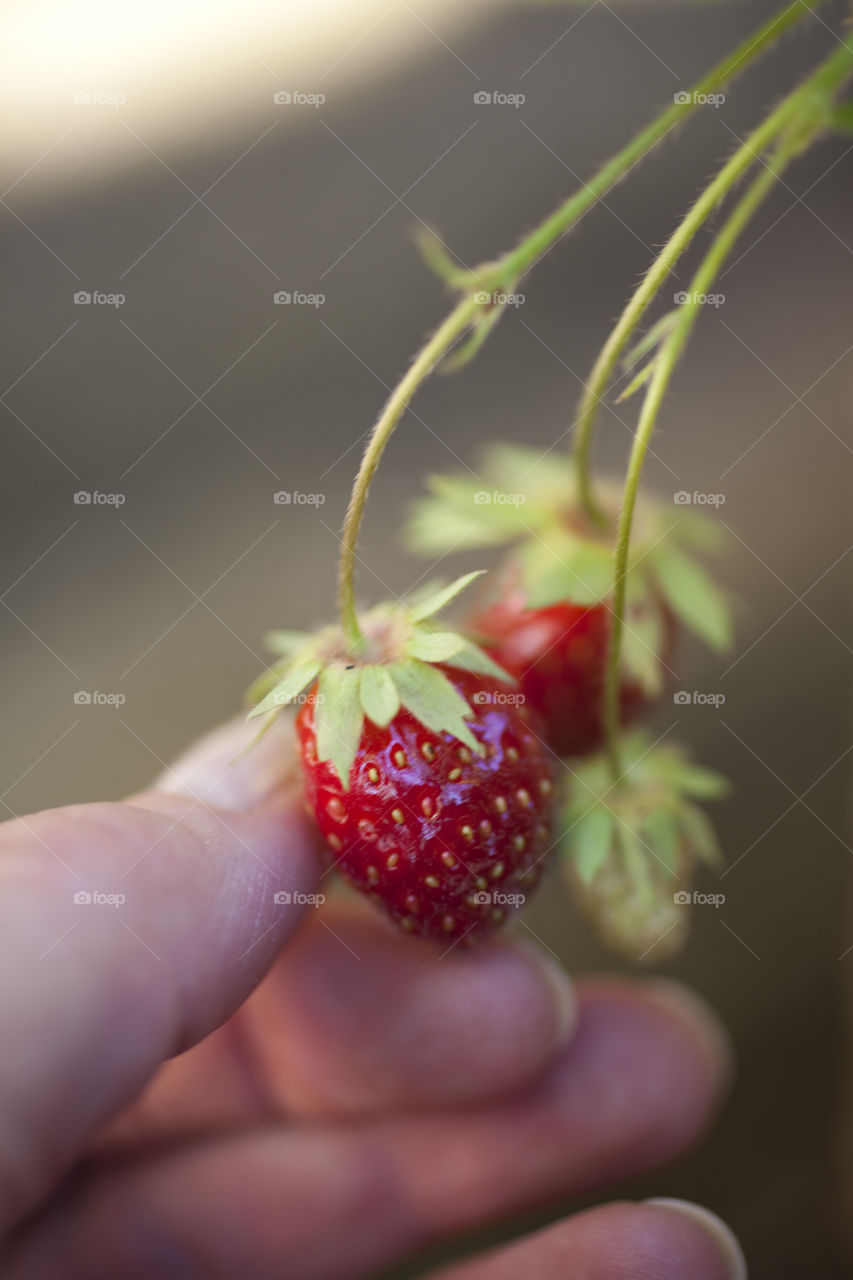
pixel 630 849
pixel 529 501
pixel 398 667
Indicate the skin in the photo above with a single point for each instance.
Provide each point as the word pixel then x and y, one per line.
pixel 203 1082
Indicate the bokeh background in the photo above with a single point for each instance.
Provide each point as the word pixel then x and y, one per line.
pixel 197 398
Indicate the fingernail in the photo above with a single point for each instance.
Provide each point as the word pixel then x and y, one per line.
pixel 699 1018
pixel 720 1233
pixel 562 991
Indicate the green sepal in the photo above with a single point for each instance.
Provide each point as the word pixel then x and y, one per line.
pixel 339 717
pixel 694 597
pixel 426 608
pixel 565 568
pixel 650 338
pixel 380 700
pixel 472 658
pixel 592 841
pixel 699 830
pixel 286 643
pixel 639 380
pixel 661 832
pixel 293 682
pixel 431 698
pixel 437 258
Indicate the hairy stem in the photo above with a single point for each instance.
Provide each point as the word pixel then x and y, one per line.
pixel 820 88
pixel 511 267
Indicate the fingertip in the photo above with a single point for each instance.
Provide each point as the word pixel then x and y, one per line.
pixel 725 1242
pixel 226 770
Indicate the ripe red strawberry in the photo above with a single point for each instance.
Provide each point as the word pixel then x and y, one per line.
pixel 558 655
pixel 449 842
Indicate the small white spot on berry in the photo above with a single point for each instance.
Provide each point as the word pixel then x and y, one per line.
pixel 500 804
pixel 334 842
pixel 372 875
pixel 427 751
pixel 464 755
pixel 392 860
pixel 481 883
pixel 518 843
pixel 427 807
pixel 336 810
pixel 454 775
pixel 485 828
pixel 412 903
pixel 512 754
pixel 522 795
pixel 373 773
pixel 466 832
pixel 397 815
pixel 400 758
pixel 545 786
pixel 431 881
pixel 448 924
pixel 497 870
pixel 366 829
pixel 448 859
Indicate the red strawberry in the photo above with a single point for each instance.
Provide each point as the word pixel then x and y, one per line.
pixel 448 841
pixel 558 655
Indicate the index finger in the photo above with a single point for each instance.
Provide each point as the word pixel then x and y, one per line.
pixel 127 933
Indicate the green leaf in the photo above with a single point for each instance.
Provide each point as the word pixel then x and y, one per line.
pixel 639 380
pixel 437 258
pixel 287 642
pixel 694 597
pixel 289 687
pixel 699 830
pixel 432 699
pixel 339 718
pixel 434 603
pixel 264 683
pixel 842 117
pixel 379 698
pixel 641 645
pixel 592 840
pixel 661 830
pixel 564 568
pixel 434 646
pixel 636 859
pixel 704 784
pixel 651 338
pixel 472 658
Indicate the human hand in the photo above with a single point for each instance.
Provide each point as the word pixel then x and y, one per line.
pixel 203 1082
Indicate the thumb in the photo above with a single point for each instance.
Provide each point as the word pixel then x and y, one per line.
pixel 130 931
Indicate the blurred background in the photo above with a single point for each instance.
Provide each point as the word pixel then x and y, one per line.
pixel 148 166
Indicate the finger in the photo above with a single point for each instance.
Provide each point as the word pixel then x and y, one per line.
pixel 127 932
pixel 636 1085
pixel 665 1240
pixel 354 1019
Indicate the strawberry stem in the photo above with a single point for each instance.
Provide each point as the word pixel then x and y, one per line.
pixel 803 114
pixel 507 271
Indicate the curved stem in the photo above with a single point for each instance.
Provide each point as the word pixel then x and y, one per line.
pixel 439 344
pixel 512 266
pixel 825 81
pixel 725 180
